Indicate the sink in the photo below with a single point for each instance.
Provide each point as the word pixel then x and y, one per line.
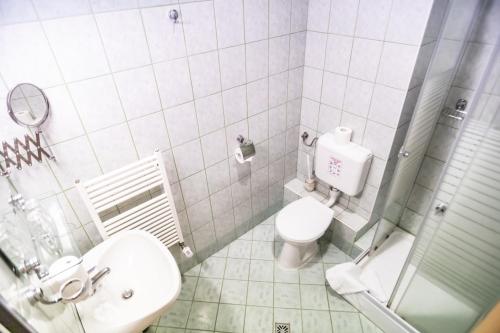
pixel 143 282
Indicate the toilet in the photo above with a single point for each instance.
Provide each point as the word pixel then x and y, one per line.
pixel 343 165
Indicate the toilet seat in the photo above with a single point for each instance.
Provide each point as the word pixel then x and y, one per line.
pixel 304 220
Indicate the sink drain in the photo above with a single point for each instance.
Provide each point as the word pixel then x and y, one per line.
pixel 127 293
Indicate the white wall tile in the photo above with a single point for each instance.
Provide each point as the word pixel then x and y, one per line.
pixel 205 73
pixel 230 22
pixel 149 133
pixel 166 40
pixel 188 158
pixel 257 60
pixel 297 49
pixel 174 82
pixel 77 47
pixel 17 64
pixel 49 9
pixel 124 40
pixel 333 91
pixel 277 146
pixel 338 54
pixel 356 123
pixel 378 138
pixel 209 113
pixel 214 147
pixel 218 176
pixel 256 20
pixel 309 113
pixel 199 26
pixel 365 59
pixel 329 118
pixel 199 214
pixel 168 158
pixel 318 15
pixel 279 54
pixel 194 188
pixel 358 95
pixel 17 11
pixel 312 83
pixel 408 21
pixel 113 147
pixel 258 127
pixel 315 49
pixel 112 5
pixel 277 120
pixel 373 17
pixel 343 17
pixel 181 123
pixel 387 105
pixel 258 96
pixel 235 104
pixel 75 160
pixel 97 102
pixel 279 17
pixel 299 15
pixel 232 62
pixel 293 113
pixel 278 89
pixel 63 122
pixel 295 77
pixel 138 91
pixel 396 65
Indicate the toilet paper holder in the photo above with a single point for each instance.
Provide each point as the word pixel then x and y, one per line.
pixel 246 150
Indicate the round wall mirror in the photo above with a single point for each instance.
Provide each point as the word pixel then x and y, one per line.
pixel 28 105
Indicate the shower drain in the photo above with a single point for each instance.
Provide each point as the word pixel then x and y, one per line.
pixel 127 293
pixel 281 327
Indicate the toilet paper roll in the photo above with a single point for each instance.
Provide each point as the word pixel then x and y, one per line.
pixel 342 134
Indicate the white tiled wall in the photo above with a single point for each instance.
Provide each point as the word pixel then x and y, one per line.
pixel 362 71
pixel 123 80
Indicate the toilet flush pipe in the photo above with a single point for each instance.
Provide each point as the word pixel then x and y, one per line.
pixel 334 196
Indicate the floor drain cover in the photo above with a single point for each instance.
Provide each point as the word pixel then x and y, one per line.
pixel 281 327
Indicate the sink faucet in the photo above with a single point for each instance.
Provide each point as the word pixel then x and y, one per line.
pixel 98 276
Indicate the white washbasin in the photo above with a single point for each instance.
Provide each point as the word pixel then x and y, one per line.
pixel 140 262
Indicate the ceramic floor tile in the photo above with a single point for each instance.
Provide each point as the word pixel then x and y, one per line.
pixel 230 318
pixel 237 269
pixel 240 249
pixel 262 250
pixel 337 302
pixel 169 330
pixel 291 316
pixel 188 288
pixel 258 319
pixel 177 316
pixel 333 255
pixel 346 322
pixel 313 297
pixel 213 267
pixel 263 232
pixel 195 271
pixel 317 321
pixel 287 295
pixel 260 293
pixel 208 290
pixel 261 270
pixel 312 273
pixel 247 235
pixel 285 275
pixel 368 326
pixel 234 292
pixel 222 253
pixel 269 220
pixel 202 316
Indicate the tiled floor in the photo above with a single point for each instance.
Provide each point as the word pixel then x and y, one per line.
pixel 242 289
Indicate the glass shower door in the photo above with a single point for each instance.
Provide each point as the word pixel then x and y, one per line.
pixel 453 276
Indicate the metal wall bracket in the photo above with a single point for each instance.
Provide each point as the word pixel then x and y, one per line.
pixel 25 152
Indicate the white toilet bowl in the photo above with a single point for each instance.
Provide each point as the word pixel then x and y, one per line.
pixel 300 224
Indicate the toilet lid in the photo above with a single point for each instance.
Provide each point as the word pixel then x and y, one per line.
pixel 303 220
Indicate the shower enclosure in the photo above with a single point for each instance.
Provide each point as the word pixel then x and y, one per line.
pixel 445 193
